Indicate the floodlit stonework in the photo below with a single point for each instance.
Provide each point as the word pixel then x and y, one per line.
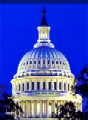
pixel 43 79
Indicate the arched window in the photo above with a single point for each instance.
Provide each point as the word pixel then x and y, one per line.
pixel 38 85
pixel 43 61
pixel 27 74
pixel 63 63
pixel 64 86
pixel 23 87
pixel 32 85
pixel 71 87
pixel 27 63
pixel 68 87
pixel 43 85
pixel 39 62
pixel 49 85
pixel 64 74
pixel 34 62
pixel 52 62
pixel 30 62
pixel 19 87
pixel 59 85
pixel 54 85
pixel 60 74
pixel 23 64
pixel 56 62
pixel 27 85
pixel 48 62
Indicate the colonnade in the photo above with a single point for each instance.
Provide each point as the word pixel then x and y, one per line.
pixel 40 108
pixel 37 108
pixel 60 86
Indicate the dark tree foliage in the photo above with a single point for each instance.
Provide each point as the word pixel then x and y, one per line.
pixel 82 86
pixel 7 105
pixel 68 111
pixel 82 78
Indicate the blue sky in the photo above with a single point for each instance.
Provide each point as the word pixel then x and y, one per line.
pixel 18 30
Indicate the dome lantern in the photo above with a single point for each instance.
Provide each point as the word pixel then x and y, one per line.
pixel 43 33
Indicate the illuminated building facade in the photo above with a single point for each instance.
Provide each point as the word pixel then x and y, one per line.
pixel 43 79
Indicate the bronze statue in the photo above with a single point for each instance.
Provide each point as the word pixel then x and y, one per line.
pixel 43 11
pixel 43 22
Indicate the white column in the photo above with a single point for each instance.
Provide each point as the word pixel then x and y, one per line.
pixel 80 106
pixel 35 109
pixel 25 86
pixel 41 85
pixel 57 85
pixel 27 109
pixel 41 109
pixel 12 88
pixel 21 86
pixel 24 108
pixel 62 85
pixel 30 108
pixel 46 62
pixel 35 85
pixel 16 87
pixel 51 62
pixel 59 107
pixel 29 85
pixel 53 106
pixel 15 115
pixel 52 84
pixel 15 112
pixel 66 86
pixel 21 107
pixel 47 110
pixel 69 86
pixel 19 111
pixel 75 104
pixel 41 63
pixel 47 85
pixel 14 91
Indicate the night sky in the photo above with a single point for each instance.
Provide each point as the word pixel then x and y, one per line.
pixel 18 34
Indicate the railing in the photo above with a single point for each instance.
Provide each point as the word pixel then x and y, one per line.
pixel 32 93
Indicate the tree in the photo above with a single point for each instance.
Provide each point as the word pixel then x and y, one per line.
pixel 7 104
pixel 82 86
pixel 82 89
pixel 67 111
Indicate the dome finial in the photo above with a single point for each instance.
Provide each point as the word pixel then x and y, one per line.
pixel 43 22
pixel 44 11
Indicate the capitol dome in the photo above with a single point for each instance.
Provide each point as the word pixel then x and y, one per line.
pixel 43 58
pixel 43 79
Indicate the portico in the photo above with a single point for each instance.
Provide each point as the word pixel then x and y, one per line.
pixel 44 107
